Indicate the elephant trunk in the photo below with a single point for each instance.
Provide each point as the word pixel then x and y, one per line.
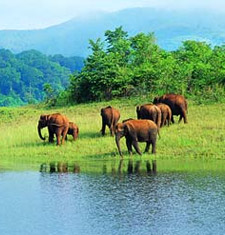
pixel 39 132
pixel 117 138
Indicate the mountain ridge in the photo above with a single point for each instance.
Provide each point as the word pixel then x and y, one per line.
pixel 71 37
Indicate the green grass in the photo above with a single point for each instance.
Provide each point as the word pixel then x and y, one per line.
pixel 203 136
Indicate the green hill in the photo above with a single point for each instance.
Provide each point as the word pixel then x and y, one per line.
pixel 23 76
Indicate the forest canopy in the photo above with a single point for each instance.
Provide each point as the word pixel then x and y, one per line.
pixel 123 66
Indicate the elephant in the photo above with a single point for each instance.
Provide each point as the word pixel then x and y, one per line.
pixel 110 117
pixel 137 131
pixel 57 124
pixel 177 104
pixel 149 111
pixel 166 114
pixel 73 130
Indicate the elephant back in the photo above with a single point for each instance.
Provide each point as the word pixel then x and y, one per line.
pixel 110 114
pixel 57 119
pixel 176 102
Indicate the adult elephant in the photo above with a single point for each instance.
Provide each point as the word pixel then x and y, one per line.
pixel 110 117
pixel 166 114
pixel 177 104
pixel 149 111
pixel 73 130
pixel 137 131
pixel 57 124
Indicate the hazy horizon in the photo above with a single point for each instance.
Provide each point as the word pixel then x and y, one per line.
pixel 32 14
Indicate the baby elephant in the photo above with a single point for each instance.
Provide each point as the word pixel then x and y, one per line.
pixel 137 131
pixel 73 130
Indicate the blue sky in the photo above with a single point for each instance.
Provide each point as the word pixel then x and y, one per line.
pixel 35 14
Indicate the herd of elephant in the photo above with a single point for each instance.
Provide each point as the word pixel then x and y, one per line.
pixel 150 117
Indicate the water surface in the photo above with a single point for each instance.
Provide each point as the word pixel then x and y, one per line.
pixel 112 202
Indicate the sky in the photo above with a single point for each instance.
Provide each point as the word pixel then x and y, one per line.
pixel 36 14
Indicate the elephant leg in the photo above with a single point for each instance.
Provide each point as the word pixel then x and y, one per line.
pixel 153 146
pixel 74 136
pixel 172 120
pixel 135 144
pixel 64 133
pixel 168 120
pixel 129 146
pixel 147 146
pixel 50 135
pixel 185 116
pixel 112 130
pixel 58 133
pixel 58 139
pixel 163 120
pixel 103 127
pixel 181 116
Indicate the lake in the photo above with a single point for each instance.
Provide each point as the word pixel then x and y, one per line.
pixel 127 197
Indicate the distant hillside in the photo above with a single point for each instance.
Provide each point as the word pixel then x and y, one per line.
pixel 71 38
pixel 23 76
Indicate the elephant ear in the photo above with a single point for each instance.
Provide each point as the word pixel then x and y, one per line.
pixel 126 129
pixel 47 117
pixel 43 117
pixel 129 130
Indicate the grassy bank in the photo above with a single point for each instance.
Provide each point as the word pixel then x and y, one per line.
pixel 203 136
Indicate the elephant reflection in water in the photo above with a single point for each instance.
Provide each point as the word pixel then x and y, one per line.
pixel 135 167
pixel 60 167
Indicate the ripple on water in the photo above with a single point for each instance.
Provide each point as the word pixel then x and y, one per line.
pixel 165 203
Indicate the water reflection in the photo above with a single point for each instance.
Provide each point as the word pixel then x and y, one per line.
pixel 112 197
pixel 129 167
pixel 60 167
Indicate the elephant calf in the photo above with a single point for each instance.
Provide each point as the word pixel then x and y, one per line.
pixel 73 130
pixel 137 131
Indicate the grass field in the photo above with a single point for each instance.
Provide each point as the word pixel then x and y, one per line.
pixel 202 137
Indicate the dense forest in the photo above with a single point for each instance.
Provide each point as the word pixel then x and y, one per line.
pixel 118 66
pixel 30 76
pixel 123 66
